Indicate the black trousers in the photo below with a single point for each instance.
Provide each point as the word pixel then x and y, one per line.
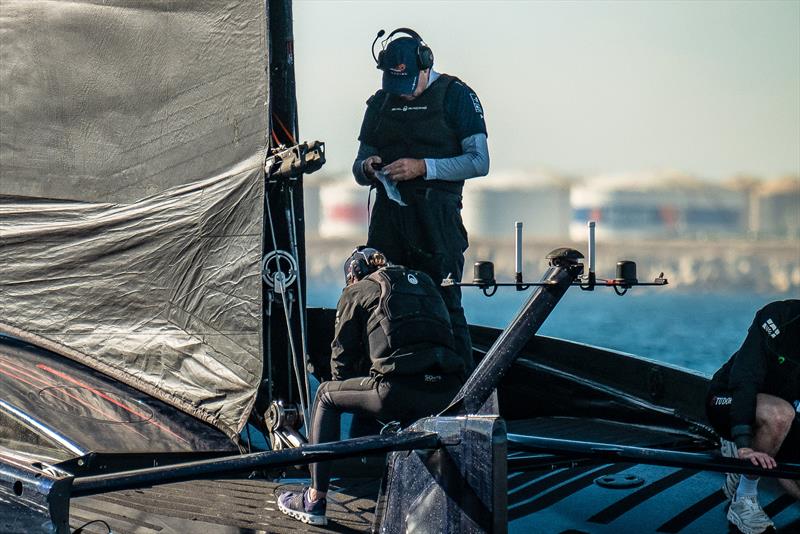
pixel 427 235
pixel 400 398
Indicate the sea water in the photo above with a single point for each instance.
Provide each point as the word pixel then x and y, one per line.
pixel 695 330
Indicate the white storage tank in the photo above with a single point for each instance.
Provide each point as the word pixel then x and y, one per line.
pixel 778 208
pixel 657 205
pixel 343 206
pixel 492 204
pixel 311 202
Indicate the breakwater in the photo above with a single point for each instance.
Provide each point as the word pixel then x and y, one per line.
pixel 729 265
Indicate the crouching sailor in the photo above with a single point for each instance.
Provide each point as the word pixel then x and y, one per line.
pixel 753 402
pixel 392 359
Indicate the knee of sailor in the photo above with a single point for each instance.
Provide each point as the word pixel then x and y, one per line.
pixel 324 393
pixel 776 414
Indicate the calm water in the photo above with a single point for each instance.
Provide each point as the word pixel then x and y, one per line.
pixel 694 330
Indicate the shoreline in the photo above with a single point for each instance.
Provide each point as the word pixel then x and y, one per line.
pixel 760 266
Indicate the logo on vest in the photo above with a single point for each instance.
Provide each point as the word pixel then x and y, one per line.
pixel 399 68
pixel 770 328
pixel 476 104
pixel 412 279
pixel 410 108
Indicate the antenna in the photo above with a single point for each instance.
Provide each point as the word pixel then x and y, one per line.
pixel 590 278
pixel 518 263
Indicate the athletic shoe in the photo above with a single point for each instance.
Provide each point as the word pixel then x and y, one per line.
pixel 729 450
pixel 747 515
pixel 298 506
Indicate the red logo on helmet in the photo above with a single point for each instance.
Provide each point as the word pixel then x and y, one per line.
pixel 400 68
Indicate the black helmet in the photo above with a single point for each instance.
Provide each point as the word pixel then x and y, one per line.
pixel 362 262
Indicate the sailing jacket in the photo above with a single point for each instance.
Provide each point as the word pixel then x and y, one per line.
pixel 767 362
pixel 393 322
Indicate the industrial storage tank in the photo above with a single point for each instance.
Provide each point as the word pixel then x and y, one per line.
pixel 777 208
pixel 312 183
pixel 539 199
pixel 657 205
pixel 343 209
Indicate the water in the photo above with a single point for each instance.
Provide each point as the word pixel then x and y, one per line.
pixel 698 331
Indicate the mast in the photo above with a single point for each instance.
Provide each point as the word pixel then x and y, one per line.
pixel 284 231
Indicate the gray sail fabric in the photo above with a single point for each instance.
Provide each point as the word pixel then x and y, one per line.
pixel 132 142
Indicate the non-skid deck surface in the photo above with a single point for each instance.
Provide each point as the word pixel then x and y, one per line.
pixel 600 431
pixel 563 500
pixel 560 501
pixel 669 500
pixel 219 507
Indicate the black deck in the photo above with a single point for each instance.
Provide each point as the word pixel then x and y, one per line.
pixel 219 506
pixel 559 500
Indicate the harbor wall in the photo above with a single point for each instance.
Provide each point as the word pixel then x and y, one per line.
pixel 729 265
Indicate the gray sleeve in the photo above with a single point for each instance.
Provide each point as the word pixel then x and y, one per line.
pixel 364 151
pixel 472 163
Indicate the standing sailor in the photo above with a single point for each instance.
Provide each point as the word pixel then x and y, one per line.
pixel 422 135
pixel 393 319
pixel 753 402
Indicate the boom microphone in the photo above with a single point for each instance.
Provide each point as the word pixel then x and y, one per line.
pixel 380 34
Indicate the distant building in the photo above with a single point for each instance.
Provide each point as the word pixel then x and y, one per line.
pixel 312 183
pixel 657 205
pixel 776 209
pixel 343 209
pixel 492 205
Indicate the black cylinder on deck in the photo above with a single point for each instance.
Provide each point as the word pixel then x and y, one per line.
pixel 626 272
pixel 483 273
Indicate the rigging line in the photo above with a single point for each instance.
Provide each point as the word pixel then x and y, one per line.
pixel 275 138
pixel 280 123
pixel 294 358
pixel 268 311
pixel 285 307
pixel 303 331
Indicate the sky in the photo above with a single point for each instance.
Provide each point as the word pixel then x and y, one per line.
pixel 710 88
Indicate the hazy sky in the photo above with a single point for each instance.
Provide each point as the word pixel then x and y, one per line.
pixel 710 88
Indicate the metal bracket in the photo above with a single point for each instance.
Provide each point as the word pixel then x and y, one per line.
pixel 291 163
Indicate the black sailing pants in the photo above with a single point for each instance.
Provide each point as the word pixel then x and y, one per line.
pixel 399 398
pixel 427 235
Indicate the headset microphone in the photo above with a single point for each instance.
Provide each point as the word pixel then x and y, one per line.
pixel 380 34
pixel 424 53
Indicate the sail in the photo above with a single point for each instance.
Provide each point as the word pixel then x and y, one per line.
pixel 132 143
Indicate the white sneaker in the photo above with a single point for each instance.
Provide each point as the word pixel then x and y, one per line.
pixel 747 515
pixel 729 450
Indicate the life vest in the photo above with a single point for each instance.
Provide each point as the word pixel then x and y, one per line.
pixel 409 330
pixel 416 128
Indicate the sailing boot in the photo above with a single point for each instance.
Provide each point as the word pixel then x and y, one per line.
pixel 729 450
pixel 747 515
pixel 298 506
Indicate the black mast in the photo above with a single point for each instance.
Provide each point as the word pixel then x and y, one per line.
pixel 284 227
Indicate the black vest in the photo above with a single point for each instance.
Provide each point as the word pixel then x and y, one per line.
pixel 409 330
pixel 416 128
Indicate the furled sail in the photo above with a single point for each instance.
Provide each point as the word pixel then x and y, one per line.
pixel 132 143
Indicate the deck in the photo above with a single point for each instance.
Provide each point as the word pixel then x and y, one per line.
pixel 219 507
pixel 559 501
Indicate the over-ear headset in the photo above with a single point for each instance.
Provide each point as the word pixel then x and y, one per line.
pixel 424 53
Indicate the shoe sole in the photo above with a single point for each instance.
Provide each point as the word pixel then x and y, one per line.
pixel 733 529
pixel 305 518
pixel 736 523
